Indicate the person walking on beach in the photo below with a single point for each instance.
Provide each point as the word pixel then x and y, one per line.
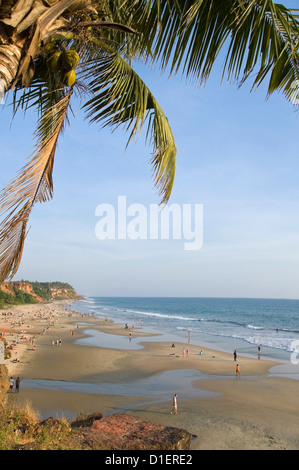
pixel 18 383
pixel 237 371
pixel 175 405
pixel 235 355
pixel 11 384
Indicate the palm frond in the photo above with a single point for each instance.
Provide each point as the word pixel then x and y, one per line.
pixel 265 43
pixel 33 184
pixel 120 97
pixel 258 38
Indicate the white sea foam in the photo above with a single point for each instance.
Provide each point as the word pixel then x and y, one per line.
pixel 252 327
pixel 269 323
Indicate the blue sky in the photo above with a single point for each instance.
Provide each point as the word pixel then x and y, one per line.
pixel 237 156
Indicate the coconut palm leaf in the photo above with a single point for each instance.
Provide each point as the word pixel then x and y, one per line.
pixel 33 184
pixel 258 38
pixel 120 97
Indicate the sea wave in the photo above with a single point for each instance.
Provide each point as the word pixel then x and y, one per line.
pixel 162 316
pixel 252 326
pixel 269 342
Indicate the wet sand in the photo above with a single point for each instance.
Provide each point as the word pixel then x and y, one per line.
pixel 253 411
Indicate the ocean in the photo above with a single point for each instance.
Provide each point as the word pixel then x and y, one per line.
pixel 218 323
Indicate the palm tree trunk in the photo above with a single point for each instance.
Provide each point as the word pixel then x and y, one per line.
pixel 21 31
pixel 10 56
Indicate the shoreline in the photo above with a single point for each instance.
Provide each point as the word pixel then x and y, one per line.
pixel 257 411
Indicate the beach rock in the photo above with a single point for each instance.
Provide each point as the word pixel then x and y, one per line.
pixel 126 432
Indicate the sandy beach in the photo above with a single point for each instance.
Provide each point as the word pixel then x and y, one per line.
pixel 223 411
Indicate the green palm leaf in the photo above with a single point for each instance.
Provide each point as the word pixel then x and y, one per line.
pixel 120 97
pixel 259 38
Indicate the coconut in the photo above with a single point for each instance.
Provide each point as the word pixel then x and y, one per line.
pixel 69 60
pixel 70 78
pixel 55 61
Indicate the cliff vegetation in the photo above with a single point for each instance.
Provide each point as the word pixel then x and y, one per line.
pixel 27 292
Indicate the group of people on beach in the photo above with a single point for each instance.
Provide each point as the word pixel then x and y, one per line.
pixel 175 397
pixel 237 366
pixel 14 384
